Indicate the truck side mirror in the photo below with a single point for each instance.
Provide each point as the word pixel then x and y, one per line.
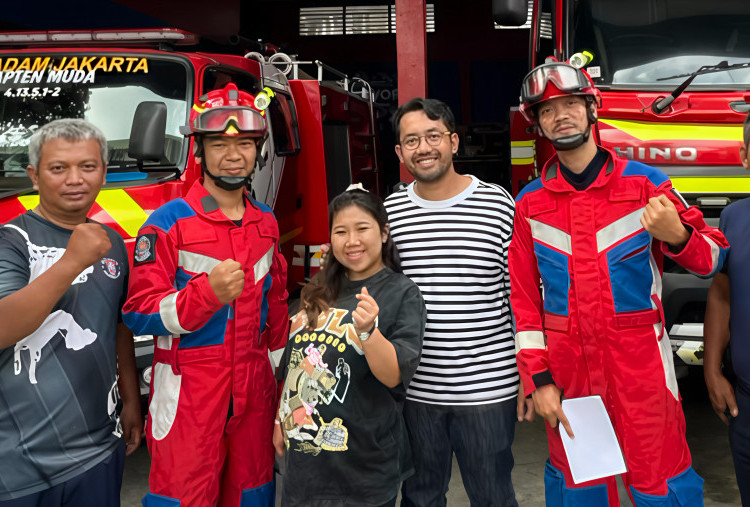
pixel 510 12
pixel 148 133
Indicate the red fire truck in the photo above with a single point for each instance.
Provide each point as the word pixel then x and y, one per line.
pixel 138 86
pixel 675 81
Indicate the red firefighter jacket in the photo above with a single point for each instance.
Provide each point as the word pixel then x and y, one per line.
pixel 600 271
pixel 169 293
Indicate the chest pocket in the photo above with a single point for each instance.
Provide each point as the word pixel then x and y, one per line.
pixel 193 235
pixel 552 247
pixel 630 273
pixel 541 207
pixel 196 253
pixel 627 191
pixel 553 268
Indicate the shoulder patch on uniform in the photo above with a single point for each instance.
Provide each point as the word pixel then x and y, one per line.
pixel 145 249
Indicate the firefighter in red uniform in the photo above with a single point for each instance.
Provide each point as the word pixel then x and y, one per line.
pixel 594 228
pixel 208 281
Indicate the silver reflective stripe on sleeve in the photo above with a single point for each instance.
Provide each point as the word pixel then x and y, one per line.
pixel 715 249
pixel 263 265
pixel 168 312
pixel 529 340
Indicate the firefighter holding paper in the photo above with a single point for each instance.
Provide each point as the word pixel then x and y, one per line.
pixel 595 228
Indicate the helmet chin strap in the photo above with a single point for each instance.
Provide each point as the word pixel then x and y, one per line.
pixel 230 183
pixel 571 142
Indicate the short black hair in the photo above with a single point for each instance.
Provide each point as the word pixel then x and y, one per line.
pixel 433 108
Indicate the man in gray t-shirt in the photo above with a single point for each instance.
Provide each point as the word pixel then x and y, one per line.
pixel 63 280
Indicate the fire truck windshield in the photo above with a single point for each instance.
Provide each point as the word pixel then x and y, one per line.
pixel 636 44
pixel 104 89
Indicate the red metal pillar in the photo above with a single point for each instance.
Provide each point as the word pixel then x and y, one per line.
pixel 411 54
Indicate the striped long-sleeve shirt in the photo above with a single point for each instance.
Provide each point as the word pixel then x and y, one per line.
pixel 456 252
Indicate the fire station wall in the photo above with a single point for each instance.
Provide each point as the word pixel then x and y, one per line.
pixel 473 67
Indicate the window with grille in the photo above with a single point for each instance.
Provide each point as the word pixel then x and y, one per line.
pixel 354 20
pixel 545 31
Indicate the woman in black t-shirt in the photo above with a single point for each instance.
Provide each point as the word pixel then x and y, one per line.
pixel 352 351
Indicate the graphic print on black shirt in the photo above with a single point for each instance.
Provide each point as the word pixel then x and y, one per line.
pixel 41 258
pixel 336 415
pixel 312 381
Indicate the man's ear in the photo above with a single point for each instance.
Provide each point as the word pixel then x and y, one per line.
pixel 539 131
pixel 454 142
pixel 593 112
pixel 744 153
pixel 398 153
pixel 33 176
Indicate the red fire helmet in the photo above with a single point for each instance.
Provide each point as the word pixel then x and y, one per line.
pixel 227 111
pixel 552 80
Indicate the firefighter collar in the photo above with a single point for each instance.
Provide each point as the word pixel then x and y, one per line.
pixel 553 180
pixel 205 204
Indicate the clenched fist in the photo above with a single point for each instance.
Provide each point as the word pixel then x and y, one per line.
pixel 662 221
pixel 87 245
pixel 227 280
pixel 366 312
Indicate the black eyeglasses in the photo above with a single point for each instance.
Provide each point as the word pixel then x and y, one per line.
pixel 433 139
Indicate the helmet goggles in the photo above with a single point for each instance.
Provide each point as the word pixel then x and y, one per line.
pixel 218 120
pixel 565 77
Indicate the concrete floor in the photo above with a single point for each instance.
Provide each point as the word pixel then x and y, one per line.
pixel 707 438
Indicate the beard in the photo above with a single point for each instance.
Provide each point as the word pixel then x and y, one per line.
pixel 432 174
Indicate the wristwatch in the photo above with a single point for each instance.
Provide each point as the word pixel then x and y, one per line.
pixel 365 335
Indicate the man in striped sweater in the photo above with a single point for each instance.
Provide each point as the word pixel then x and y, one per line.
pixel 452 232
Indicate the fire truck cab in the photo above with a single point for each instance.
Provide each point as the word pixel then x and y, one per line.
pixel 675 83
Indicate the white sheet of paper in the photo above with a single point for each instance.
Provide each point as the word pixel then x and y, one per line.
pixel 594 452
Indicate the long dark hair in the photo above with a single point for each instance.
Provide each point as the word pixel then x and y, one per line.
pixel 323 289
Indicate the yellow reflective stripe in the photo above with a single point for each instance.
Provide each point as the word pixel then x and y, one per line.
pixel 116 202
pixel 653 131
pixel 123 209
pixel 724 184
pixel 522 152
pixel 29 201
